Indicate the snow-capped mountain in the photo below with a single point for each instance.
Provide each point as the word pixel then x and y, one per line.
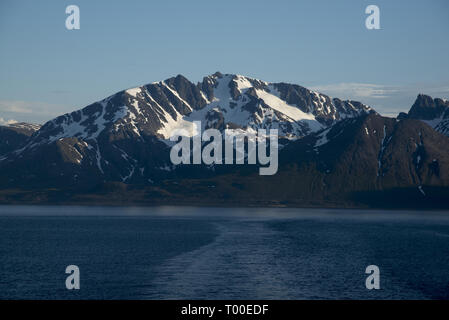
pixel 334 152
pixel 125 136
pixel 219 101
pixel 434 112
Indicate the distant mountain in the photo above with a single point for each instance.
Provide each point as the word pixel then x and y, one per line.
pixel 434 112
pixel 333 152
pixel 14 136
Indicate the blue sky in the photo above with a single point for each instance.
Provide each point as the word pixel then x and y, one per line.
pixel 47 70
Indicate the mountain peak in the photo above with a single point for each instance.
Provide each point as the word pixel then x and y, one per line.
pixel 426 108
pixel 217 74
pixel 434 112
pixel 423 101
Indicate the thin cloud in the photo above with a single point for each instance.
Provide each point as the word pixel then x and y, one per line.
pixel 353 90
pixel 15 106
pixel 26 107
pixel 30 111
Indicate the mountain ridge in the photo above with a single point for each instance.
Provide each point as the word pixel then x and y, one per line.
pixel 332 152
pixel 148 114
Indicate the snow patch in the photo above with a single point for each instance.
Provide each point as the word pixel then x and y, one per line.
pixel 134 91
pixel 280 105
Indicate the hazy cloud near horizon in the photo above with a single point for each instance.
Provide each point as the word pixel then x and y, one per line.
pixel 29 111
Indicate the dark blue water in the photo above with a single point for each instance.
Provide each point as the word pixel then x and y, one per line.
pixel 211 253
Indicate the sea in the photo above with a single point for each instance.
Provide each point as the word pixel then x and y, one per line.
pixel 222 253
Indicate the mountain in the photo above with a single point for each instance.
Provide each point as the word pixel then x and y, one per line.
pixel 333 153
pixel 434 112
pixel 14 136
pixel 125 137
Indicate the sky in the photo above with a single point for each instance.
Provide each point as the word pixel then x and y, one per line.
pixel 47 70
